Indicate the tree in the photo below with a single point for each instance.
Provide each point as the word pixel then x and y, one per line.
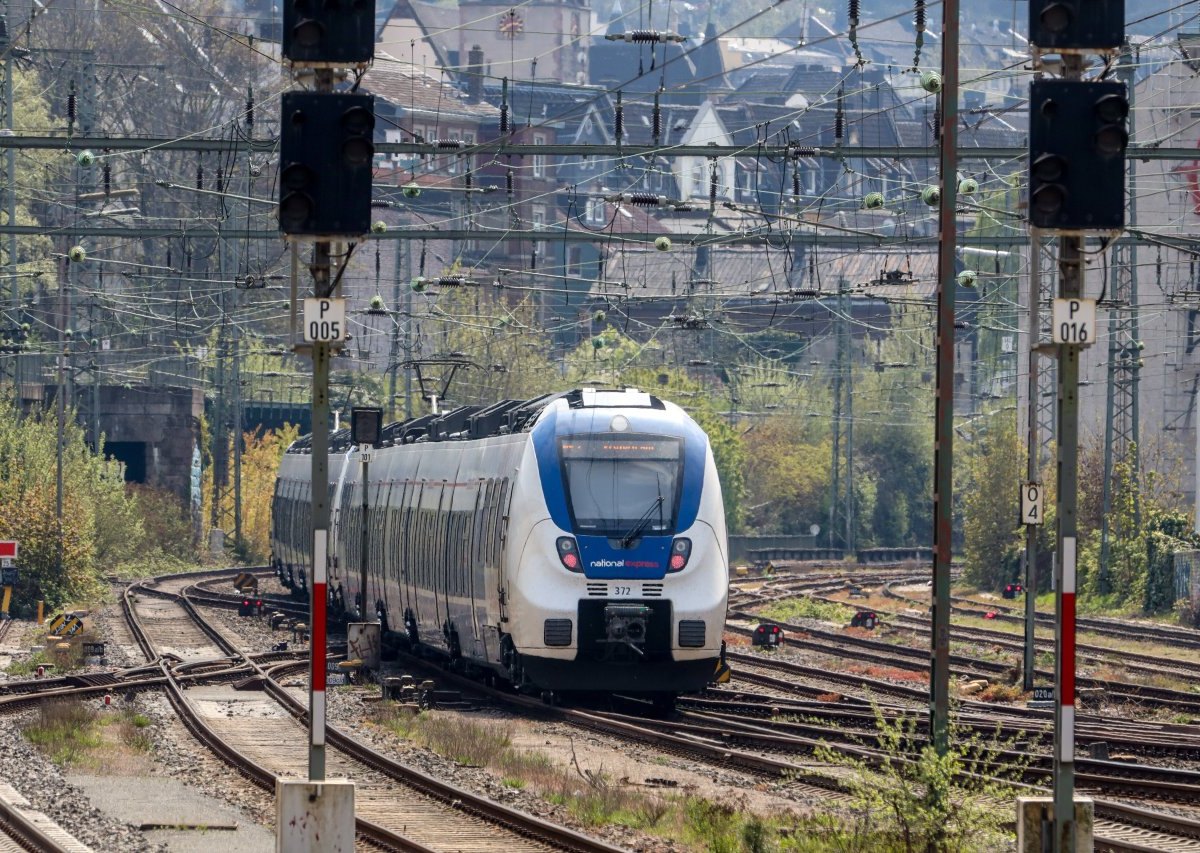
pixel 994 469
pixel 101 527
pixel 787 476
pixel 261 455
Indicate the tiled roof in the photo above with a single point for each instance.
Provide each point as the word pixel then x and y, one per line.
pixel 414 91
pixel 896 274
pixel 682 272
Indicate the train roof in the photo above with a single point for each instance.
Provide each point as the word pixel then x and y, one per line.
pixel 474 422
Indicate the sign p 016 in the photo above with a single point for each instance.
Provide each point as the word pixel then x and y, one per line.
pixel 324 320
pixel 1074 322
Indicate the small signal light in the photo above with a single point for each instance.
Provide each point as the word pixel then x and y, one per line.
pixel 568 554
pixel 681 552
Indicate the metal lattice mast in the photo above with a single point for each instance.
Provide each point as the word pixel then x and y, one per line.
pixel 1124 365
pixel 1046 256
pixel 841 503
pixel 8 182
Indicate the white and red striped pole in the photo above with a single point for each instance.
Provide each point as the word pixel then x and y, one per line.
pixel 317 630
pixel 1070 260
pixel 1066 656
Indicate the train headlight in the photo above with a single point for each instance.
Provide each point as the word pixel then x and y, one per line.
pixel 681 551
pixel 568 554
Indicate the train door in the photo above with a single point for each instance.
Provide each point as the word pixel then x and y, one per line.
pixel 464 505
pixel 377 547
pixel 473 571
pixel 345 547
pixel 504 492
pixel 425 558
pixel 404 566
pixel 335 520
pixel 439 554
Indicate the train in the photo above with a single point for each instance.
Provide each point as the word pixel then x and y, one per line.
pixel 574 542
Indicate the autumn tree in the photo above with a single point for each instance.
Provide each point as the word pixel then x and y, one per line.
pixel 261 455
pixel 101 526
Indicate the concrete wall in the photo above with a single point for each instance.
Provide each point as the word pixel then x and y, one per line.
pixel 740 545
pixel 166 421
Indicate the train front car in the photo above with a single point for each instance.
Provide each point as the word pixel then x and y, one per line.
pixel 624 586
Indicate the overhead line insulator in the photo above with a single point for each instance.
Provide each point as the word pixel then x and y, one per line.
pixel 619 120
pixel 647 37
pixel 504 106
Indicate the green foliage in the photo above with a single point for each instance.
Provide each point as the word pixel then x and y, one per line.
pixel 908 798
pixel 65 731
pixel 100 524
pixel 787 476
pixel 804 607
pixel 166 521
pixel 1160 572
pixel 1144 534
pixel 729 456
pixel 897 454
pixel 994 468
pixel 105 523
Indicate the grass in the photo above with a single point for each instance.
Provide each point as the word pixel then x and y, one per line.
pixel 66 731
pixel 62 660
pixel 790 609
pixel 594 798
pixel 77 735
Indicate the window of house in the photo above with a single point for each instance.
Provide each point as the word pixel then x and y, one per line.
pixel 454 160
pixel 539 224
pixel 595 213
pixel 574 261
pixel 539 160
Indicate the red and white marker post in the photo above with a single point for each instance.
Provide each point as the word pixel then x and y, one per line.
pixel 316 641
pixel 1065 677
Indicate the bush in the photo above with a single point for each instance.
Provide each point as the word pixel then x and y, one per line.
pixel 166 520
pixel 924 801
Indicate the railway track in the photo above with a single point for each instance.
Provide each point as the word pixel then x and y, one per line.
pixel 396 807
pixel 713 743
pixel 22 828
pixel 918 660
pixel 734 743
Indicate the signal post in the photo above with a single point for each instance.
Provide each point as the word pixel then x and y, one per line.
pixel 326 149
pixel 1077 141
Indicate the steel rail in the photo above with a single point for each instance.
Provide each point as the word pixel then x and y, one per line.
pixel 25 832
pixel 250 769
pixel 554 835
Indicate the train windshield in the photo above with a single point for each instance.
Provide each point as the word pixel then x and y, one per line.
pixel 622 486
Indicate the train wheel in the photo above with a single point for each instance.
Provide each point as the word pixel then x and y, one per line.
pixel 549 697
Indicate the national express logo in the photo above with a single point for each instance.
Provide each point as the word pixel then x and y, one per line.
pixel 624 564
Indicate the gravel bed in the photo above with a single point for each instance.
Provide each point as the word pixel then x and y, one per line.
pixel 348 711
pixel 175 753
pixel 24 767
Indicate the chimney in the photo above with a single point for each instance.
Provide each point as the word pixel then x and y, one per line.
pixel 475 74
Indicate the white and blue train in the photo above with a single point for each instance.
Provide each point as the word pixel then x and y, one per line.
pixel 574 542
